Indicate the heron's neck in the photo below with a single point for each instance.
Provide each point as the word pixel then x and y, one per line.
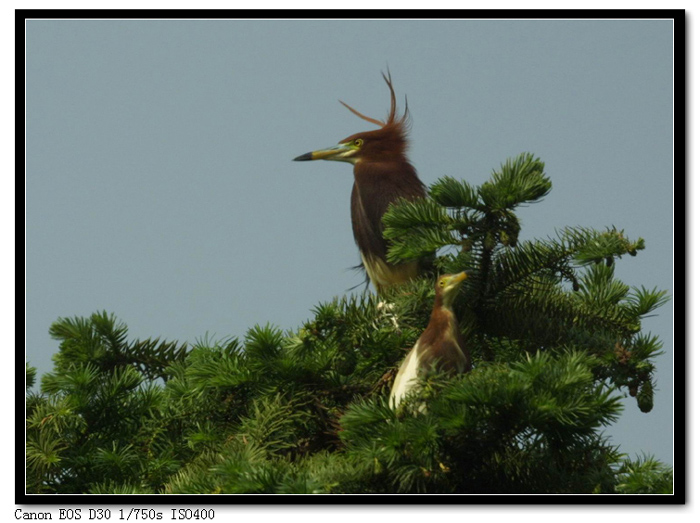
pixel 442 325
pixel 367 170
pixel 443 306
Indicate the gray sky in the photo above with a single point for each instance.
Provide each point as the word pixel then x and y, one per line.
pixel 160 182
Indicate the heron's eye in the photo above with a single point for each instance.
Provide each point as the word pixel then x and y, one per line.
pixel 359 142
pixel 442 283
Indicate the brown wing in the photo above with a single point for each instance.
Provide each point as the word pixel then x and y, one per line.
pixel 376 187
pixel 442 345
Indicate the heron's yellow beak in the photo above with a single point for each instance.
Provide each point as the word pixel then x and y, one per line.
pixel 344 152
pixel 457 278
pixel 451 286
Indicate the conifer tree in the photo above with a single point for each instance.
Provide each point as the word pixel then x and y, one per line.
pixel 555 339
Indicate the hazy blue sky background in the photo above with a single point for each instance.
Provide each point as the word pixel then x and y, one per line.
pixel 160 182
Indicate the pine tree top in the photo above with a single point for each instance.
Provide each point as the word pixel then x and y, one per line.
pixel 555 339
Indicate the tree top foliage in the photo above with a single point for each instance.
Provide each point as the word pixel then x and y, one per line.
pixel 555 338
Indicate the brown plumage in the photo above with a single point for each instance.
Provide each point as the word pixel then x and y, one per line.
pixel 383 174
pixel 441 344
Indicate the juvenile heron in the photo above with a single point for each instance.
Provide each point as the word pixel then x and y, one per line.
pixel 383 174
pixel 441 343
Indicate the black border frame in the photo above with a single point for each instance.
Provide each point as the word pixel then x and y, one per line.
pixel 179 500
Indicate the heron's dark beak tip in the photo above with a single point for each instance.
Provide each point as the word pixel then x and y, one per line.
pixel 303 158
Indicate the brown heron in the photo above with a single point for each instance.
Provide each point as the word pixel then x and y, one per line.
pixel 441 344
pixel 383 174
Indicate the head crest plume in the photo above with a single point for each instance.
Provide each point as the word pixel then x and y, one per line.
pixel 391 119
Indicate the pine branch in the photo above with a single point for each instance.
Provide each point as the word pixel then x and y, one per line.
pixel 416 228
pixel 519 181
pixel 449 192
pixel 101 340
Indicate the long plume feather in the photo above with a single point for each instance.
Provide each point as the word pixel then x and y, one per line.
pixel 358 113
pixel 391 119
pixel 392 111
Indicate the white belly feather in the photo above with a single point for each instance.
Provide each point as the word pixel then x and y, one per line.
pixel 406 378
